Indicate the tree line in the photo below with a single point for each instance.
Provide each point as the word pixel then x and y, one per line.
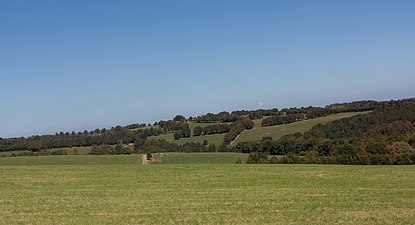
pixel 211 129
pixel 112 137
pixel 236 129
pixel 284 119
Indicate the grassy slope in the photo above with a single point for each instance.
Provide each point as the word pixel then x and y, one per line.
pixel 207 194
pixel 277 132
pixel 193 124
pixel 2 154
pixel 80 150
pixel 201 158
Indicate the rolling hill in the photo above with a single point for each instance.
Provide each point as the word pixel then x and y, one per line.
pixel 258 132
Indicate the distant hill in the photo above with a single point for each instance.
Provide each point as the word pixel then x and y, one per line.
pixel 366 132
pixel 258 132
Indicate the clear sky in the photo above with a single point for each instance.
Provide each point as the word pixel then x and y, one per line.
pixel 75 65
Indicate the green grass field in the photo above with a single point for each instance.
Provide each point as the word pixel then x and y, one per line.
pixel 257 123
pixel 276 132
pixel 72 160
pixel 206 194
pixel 4 154
pixel 70 151
pixel 201 158
pixel 73 150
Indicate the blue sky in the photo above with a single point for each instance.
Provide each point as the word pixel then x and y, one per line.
pixel 75 65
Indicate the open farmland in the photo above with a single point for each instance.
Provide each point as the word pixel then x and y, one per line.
pixel 208 194
pixel 201 158
pixel 69 150
pixel 72 160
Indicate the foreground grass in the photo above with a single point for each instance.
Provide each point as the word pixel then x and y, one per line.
pixel 276 132
pixel 201 158
pixel 207 194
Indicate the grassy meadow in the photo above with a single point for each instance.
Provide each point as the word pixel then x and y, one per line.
pixel 69 151
pixel 206 193
pixel 200 158
pixel 71 160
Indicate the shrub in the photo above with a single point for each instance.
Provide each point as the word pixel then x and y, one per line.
pixel 257 157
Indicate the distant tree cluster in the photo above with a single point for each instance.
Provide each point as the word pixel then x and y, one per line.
pixel 197 131
pixel 222 117
pixel 171 125
pixel 279 120
pixel 157 145
pixel 136 126
pixel 257 114
pixel 116 135
pixel 211 129
pixel 179 118
pixel 357 106
pixel 184 133
pixel 237 128
pixel 109 150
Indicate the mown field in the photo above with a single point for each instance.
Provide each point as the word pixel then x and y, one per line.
pixel 200 158
pixel 72 160
pixel 276 132
pixel 205 193
pixel 69 151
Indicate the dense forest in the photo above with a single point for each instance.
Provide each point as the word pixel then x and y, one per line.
pixel 384 136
